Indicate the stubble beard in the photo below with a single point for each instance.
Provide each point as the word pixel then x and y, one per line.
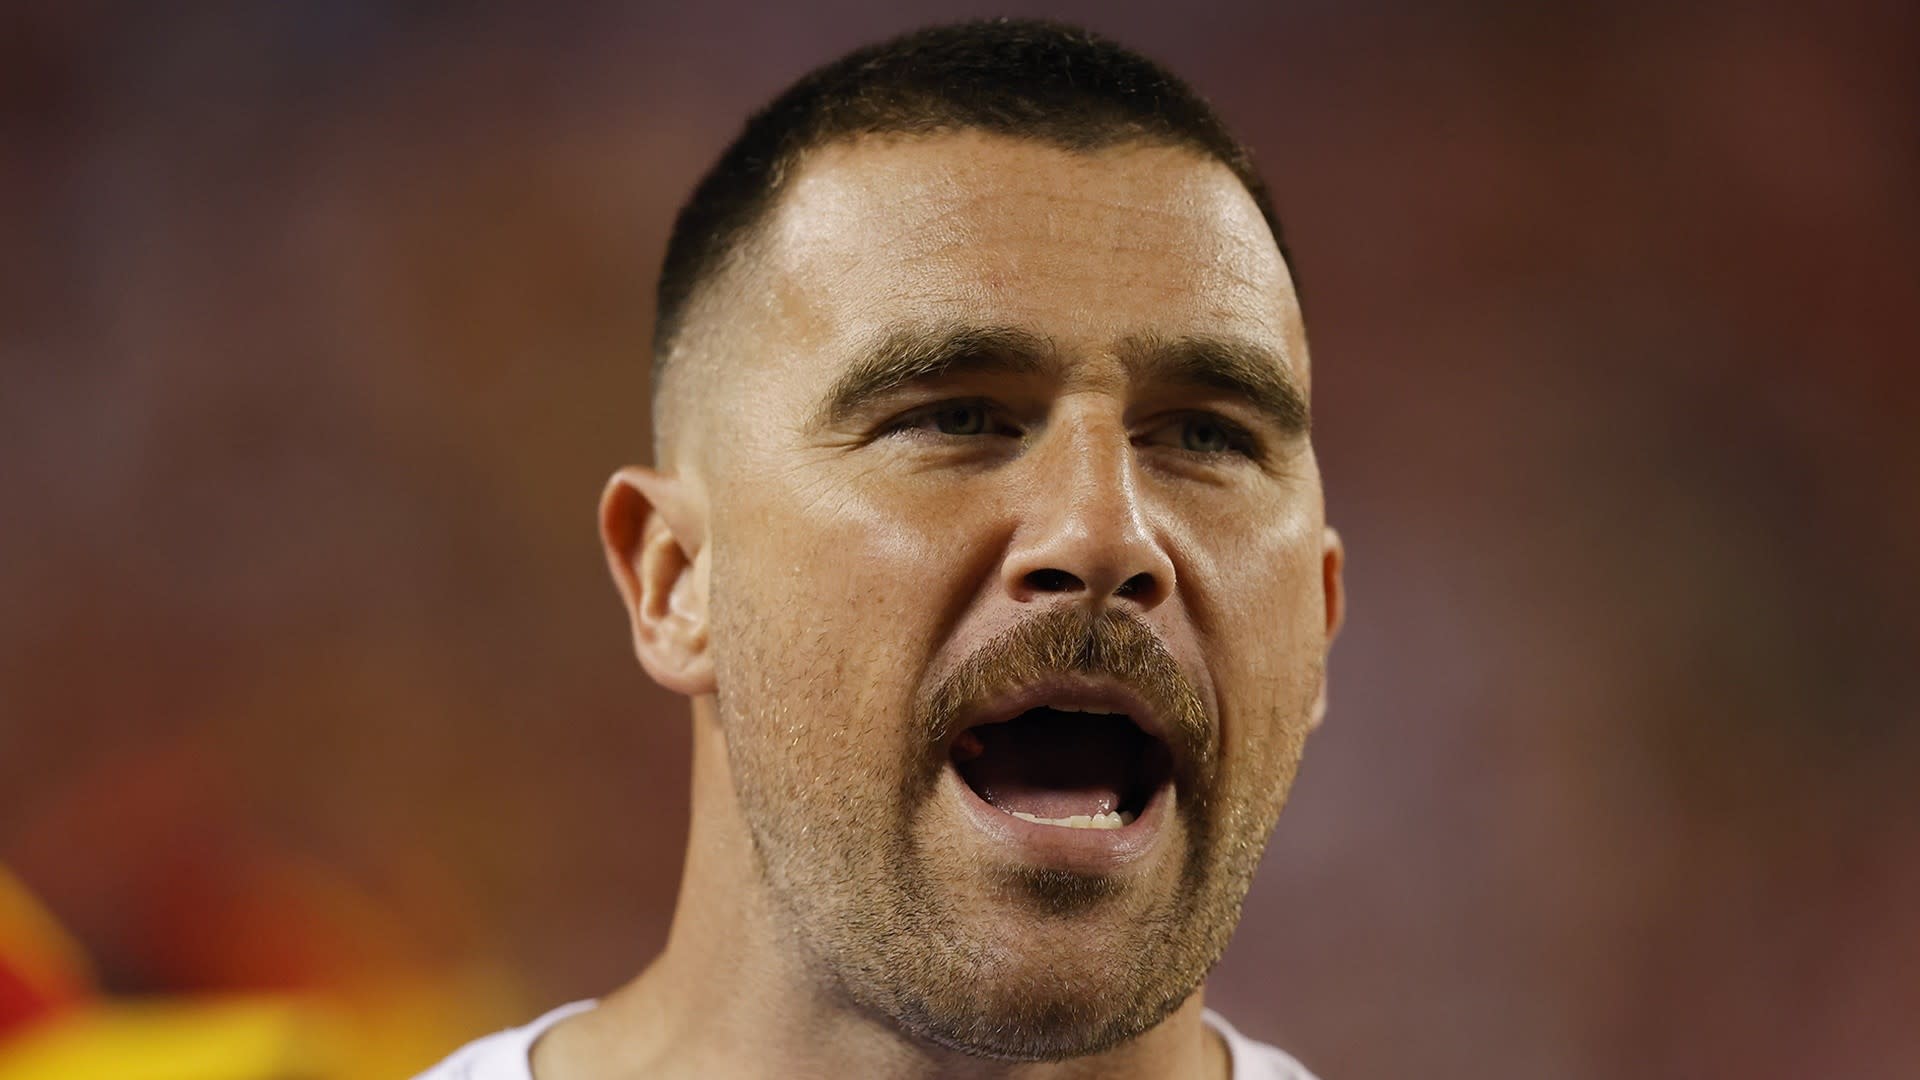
pixel 863 899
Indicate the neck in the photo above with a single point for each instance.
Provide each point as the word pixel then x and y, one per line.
pixel 731 995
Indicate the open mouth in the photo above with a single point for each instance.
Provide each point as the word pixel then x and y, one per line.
pixel 1065 765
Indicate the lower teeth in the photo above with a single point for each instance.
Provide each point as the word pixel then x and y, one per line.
pixel 1109 820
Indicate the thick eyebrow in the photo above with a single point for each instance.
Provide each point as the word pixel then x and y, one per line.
pixel 1241 368
pixel 915 354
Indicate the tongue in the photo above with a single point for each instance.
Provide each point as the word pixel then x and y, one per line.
pixel 1050 765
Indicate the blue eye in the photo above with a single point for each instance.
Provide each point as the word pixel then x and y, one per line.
pixel 1204 435
pixel 971 421
pixel 964 418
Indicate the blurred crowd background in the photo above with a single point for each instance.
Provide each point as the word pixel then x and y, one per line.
pixel 322 323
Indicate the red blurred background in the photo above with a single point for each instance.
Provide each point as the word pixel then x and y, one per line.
pixel 323 323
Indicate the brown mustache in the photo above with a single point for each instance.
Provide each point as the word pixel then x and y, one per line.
pixel 1066 640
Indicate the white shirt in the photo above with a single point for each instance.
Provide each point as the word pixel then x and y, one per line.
pixel 504 1055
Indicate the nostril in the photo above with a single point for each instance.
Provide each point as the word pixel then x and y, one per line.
pixel 1136 586
pixel 1049 581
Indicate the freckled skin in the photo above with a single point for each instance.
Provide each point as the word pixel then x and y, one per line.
pixel 836 572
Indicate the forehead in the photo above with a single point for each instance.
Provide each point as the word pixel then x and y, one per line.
pixel 1085 248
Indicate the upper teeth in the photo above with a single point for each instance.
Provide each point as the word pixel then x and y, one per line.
pixel 1097 710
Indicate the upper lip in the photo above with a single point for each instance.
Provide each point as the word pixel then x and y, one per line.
pixel 1066 689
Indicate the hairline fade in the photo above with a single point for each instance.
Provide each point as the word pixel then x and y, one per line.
pixel 1027 78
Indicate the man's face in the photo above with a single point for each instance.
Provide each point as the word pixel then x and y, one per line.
pixel 1002 434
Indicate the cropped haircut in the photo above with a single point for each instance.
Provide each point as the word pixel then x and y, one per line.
pixel 1026 78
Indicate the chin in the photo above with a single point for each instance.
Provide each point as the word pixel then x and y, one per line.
pixel 1038 988
pixel 1038 1025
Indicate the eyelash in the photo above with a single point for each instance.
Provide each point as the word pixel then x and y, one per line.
pixel 919 421
pixel 916 422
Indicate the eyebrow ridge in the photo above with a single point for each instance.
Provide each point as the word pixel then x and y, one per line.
pixel 909 355
pixel 1234 365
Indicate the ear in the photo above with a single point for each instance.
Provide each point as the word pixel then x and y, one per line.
pixel 653 529
pixel 1333 559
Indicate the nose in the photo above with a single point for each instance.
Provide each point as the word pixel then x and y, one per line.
pixel 1086 533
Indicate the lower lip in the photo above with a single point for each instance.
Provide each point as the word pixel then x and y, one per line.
pixel 1084 851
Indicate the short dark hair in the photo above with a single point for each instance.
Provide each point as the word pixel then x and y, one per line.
pixel 1028 78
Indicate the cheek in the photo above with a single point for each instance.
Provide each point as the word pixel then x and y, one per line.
pixel 1264 632
pixel 1254 570
pixel 883 562
pixel 827 606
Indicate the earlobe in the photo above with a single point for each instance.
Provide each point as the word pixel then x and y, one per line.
pixel 651 530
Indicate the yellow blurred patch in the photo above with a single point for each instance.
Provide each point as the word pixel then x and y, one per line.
pixel 231 1039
